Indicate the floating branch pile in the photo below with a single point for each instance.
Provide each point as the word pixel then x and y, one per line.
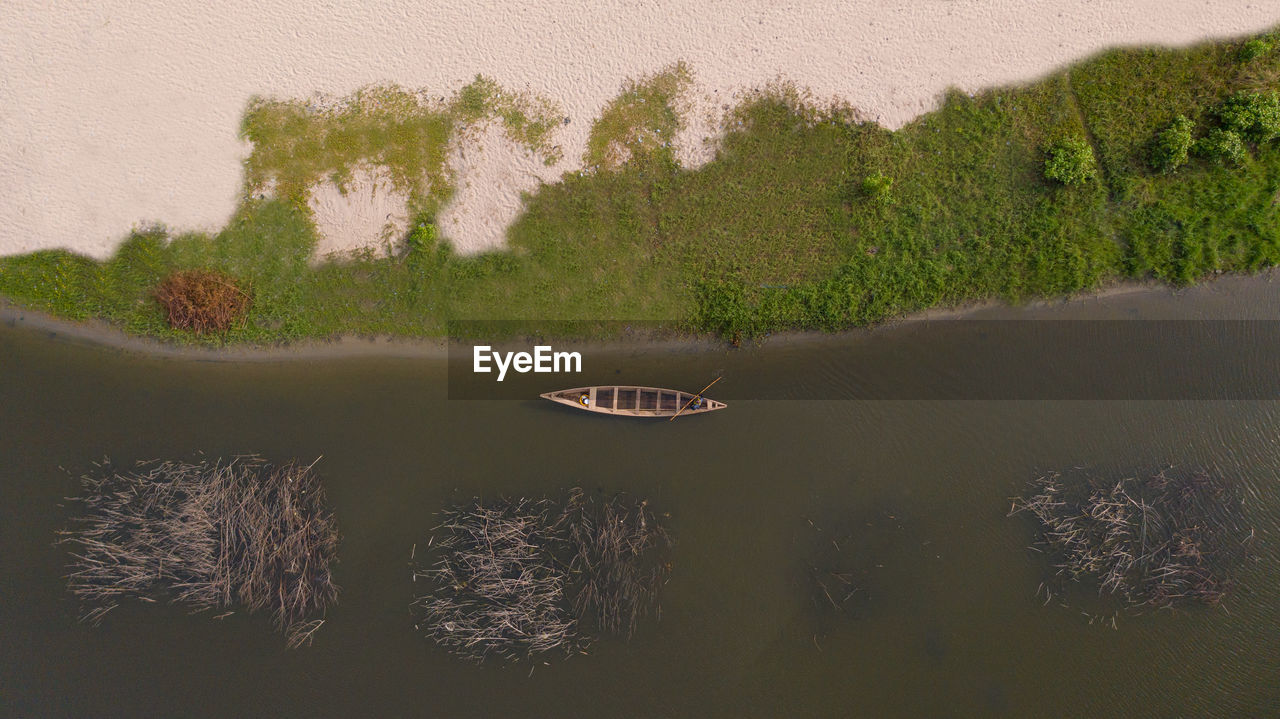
pixel 210 536
pixel 1153 541
pixel 516 578
pixel 497 587
pixel 619 560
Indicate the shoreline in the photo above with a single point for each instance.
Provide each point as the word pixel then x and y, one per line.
pixel 100 334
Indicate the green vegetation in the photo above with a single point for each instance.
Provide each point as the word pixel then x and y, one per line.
pixel 1225 146
pixel 806 218
pixel 1253 115
pixel 1254 48
pixel 1172 146
pixel 297 144
pixel 1070 161
pixel 639 124
pixel 878 188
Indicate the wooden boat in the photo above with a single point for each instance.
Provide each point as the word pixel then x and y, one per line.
pixel 634 401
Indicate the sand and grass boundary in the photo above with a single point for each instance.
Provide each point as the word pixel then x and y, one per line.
pixel 809 217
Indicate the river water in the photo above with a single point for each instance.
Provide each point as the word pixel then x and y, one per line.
pixel 915 488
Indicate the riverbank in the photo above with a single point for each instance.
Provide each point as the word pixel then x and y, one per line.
pixel 1222 298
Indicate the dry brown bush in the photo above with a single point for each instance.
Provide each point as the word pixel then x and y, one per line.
pixel 202 301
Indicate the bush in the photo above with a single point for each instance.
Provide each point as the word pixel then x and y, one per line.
pixel 201 300
pixel 1070 161
pixel 1222 145
pixel 877 188
pixel 423 237
pixel 1252 115
pixel 1170 147
pixel 1253 49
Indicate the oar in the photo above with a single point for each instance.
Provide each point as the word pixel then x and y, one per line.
pixel 691 399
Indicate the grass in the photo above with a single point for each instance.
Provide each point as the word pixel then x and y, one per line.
pixel 1206 218
pixel 806 218
pixel 297 144
pixel 640 123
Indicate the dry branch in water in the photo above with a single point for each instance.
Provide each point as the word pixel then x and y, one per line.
pixel 202 301
pixel 515 578
pixel 496 587
pixel 619 560
pixel 208 535
pixel 1154 542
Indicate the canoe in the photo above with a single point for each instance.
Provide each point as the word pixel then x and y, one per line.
pixel 633 401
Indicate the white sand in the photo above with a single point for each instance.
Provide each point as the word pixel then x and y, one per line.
pixel 367 212
pixel 120 112
pixel 491 172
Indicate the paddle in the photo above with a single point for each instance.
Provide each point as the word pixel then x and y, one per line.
pixel 691 399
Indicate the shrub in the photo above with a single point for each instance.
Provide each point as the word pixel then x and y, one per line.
pixel 1070 161
pixel 1253 49
pixel 423 237
pixel 201 300
pixel 1170 147
pixel 1252 115
pixel 878 188
pixel 1222 145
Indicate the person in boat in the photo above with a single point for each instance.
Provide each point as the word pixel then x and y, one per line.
pixel 697 403
pixel 584 399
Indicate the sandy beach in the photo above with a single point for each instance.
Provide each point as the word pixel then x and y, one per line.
pixel 122 113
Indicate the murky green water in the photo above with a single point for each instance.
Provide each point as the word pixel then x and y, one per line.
pixel 948 624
